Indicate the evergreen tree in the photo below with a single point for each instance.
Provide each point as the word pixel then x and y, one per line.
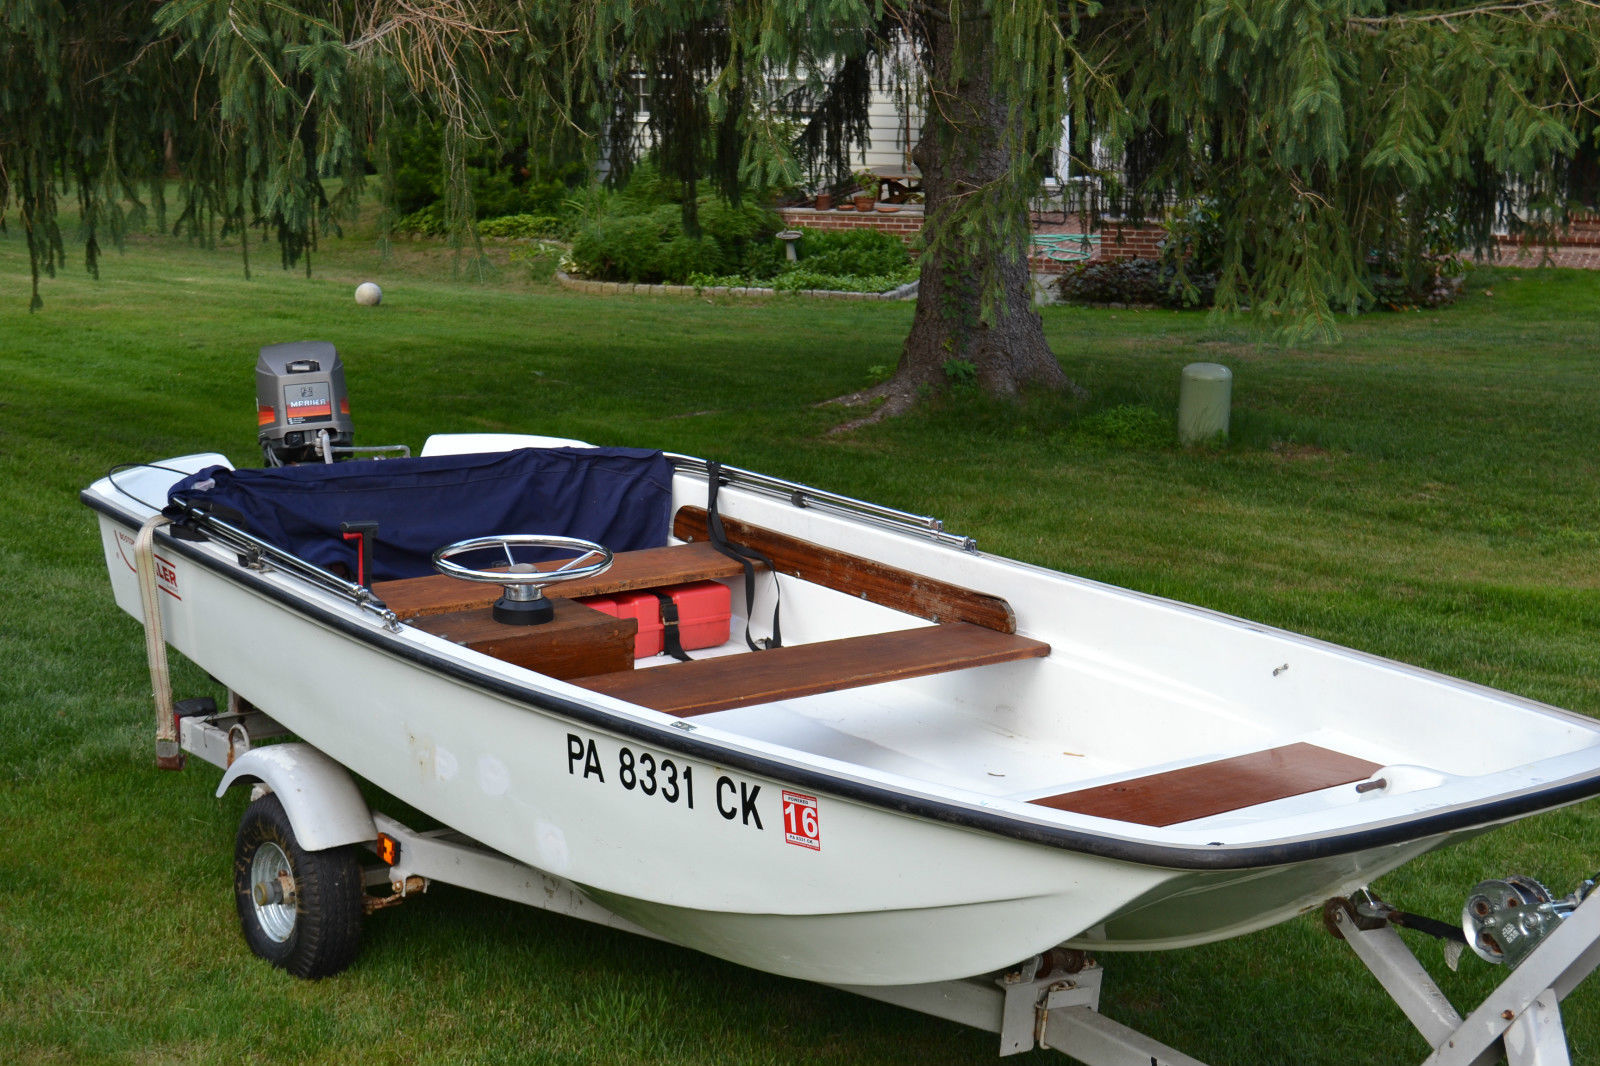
pixel 1321 136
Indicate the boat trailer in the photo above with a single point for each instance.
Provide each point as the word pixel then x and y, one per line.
pixel 1050 1001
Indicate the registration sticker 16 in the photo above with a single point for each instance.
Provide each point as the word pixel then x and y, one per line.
pixel 800 820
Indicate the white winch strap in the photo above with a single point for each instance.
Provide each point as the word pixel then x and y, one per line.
pixel 155 643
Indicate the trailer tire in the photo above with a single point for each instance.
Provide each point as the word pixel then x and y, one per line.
pixel 300 910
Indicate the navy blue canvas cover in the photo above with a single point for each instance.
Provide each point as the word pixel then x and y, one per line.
pixel 618 497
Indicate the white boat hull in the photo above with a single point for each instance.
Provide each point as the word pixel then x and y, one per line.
pixel 693 828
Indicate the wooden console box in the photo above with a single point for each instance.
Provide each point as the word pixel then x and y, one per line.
pixel 579 642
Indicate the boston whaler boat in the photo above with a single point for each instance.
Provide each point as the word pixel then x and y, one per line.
pixel 805 733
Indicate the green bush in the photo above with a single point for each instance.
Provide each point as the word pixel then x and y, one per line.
pixel 801 279
pixel 426 221
pixel 502 184
pixel 736 226
pixel 684 255
pixel 636 234
pixel 1433 283
pixel 1146 282
pixel 852 251
pixel 646 189
pixel 763 260
pixel 523 227
pixel 540 259
pixel 622 247
pixel 1152 283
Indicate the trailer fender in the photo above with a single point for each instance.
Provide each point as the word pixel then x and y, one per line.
pixel 319 796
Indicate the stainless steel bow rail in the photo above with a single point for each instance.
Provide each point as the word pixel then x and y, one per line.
pixel 257 554
pixel 806 496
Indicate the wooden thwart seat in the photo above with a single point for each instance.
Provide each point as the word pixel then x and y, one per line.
pixel 719 684
pixel 1192 792
pixel 903 590
pixel 678 564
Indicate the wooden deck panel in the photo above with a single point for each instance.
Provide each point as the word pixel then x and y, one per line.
pixel 1192 792
pixel 890 586
pixel 725 682
pixel 578 641
pixel 678 564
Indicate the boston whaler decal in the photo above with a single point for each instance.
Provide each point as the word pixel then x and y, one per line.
pixel 166 573
pixel 661 776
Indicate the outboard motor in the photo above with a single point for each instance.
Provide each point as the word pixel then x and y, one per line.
pixel 302 409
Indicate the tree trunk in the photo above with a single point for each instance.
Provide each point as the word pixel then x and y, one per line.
pixel 975 297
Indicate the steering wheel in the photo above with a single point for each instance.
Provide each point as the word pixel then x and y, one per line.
pixel 524 601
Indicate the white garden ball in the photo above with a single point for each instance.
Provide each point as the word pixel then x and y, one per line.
pixel 368 294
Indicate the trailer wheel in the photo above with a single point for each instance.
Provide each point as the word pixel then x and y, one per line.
pixel 300 910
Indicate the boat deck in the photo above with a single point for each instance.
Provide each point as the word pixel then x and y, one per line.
pixel 953 629
pixel 969 628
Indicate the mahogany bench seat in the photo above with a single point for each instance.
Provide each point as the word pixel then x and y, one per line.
pixel 1191 792
pixel 741 680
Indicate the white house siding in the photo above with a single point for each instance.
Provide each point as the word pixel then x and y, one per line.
pixel 893 134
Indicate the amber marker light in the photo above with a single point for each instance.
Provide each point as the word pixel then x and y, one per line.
pixel 388 850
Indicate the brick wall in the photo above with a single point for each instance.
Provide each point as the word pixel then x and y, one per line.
pixel 1117 241
pixel 1584 231
pixel 1131 242
pixel 903 224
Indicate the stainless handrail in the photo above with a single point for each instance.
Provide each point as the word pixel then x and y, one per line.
pixel 806 496
pixel 256 549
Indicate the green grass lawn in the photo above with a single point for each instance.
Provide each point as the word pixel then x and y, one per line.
pixel 1428 490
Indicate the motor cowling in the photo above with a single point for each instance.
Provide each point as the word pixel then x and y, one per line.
pixel 302 408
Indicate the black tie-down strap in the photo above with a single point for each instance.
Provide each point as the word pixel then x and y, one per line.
pixel 747 557
pixel 671 640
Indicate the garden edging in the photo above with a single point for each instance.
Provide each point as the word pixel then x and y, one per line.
pixel 907 291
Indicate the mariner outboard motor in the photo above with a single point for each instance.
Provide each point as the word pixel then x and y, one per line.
pixel 302 409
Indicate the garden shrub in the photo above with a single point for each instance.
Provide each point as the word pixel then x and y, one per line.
pixel 1434 283
pixel 540 259
pixel 646 188
pixel 1151 283
pixel 502 184
pixel 1146 282
pixel 622 247
pixel 852 251
pixel 740 232
pixel 523 227
pixel 636 234
pixel 801 279
pixel 684 255
pixel 426 221
pixel 762 261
